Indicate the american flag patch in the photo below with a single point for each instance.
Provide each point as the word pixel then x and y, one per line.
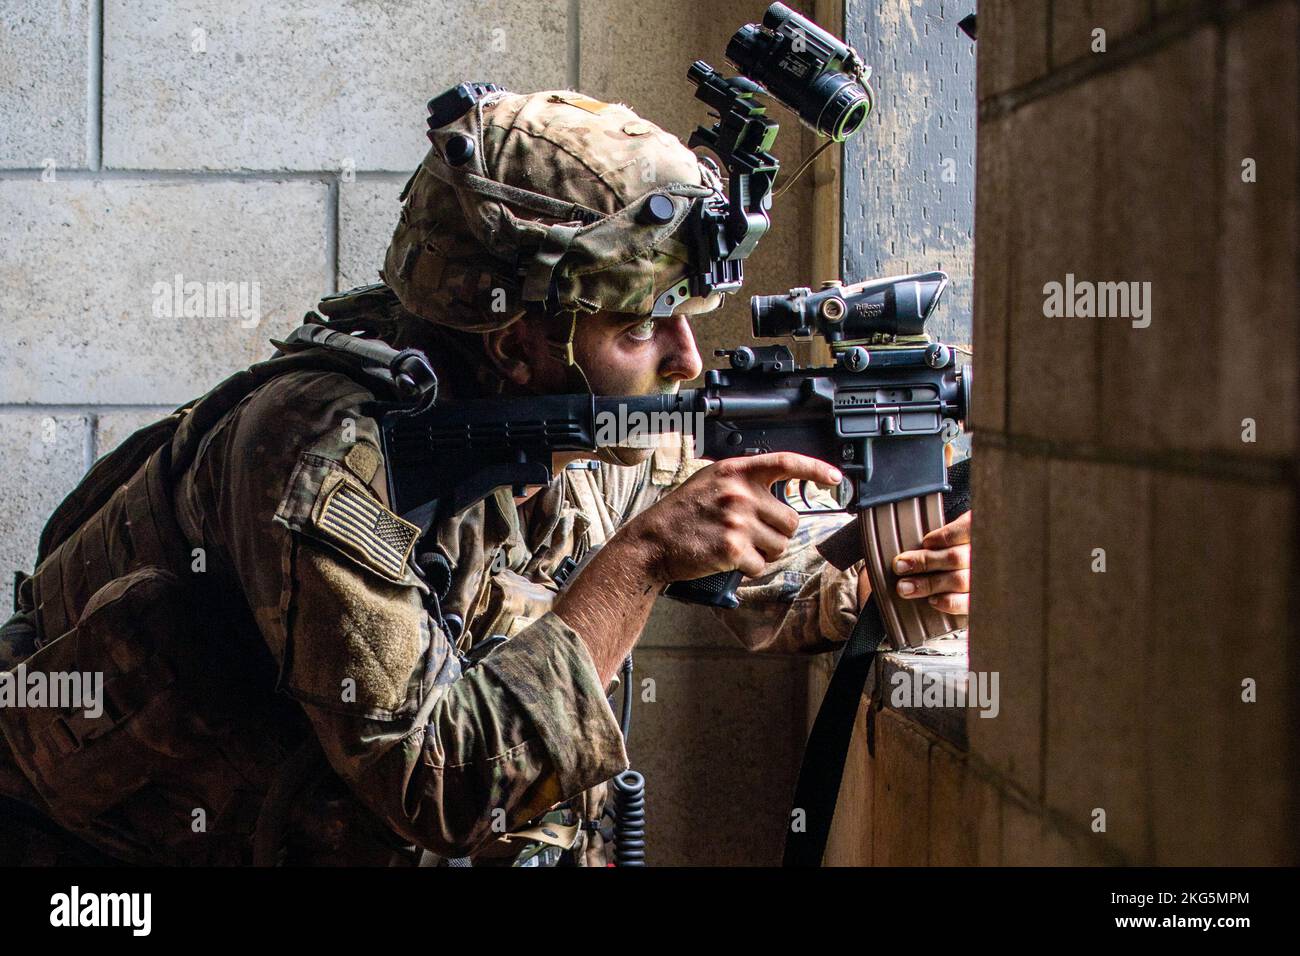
pixel 367 529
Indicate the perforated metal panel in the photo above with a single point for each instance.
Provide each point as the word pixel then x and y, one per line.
pixel 909 176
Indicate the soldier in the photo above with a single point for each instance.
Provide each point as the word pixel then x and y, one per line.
pixel 245 546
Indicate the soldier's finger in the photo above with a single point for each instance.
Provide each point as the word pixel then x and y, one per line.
pixel 923 585
pixel 925 561
pixel 956 531
pixel 951 603
pixel 777 515
pixel 752 564
pixel 774 466
pixel 767 542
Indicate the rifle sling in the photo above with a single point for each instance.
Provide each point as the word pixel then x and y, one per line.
pixel 822 769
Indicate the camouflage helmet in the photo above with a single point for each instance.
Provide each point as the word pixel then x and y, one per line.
pixel 552 198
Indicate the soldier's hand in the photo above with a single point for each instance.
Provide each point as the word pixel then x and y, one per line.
pixel 724 516
pixel 940 570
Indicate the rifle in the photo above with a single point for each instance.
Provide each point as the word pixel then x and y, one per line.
pixel 881 414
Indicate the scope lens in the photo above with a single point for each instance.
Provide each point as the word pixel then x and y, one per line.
pixel 851 120
pixel 846 105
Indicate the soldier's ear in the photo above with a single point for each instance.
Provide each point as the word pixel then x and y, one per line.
pixel 509 352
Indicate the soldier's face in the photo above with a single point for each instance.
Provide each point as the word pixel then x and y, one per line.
pixel 626 354
pixel 620 353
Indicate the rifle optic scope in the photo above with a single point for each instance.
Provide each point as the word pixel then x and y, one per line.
pixel 897 305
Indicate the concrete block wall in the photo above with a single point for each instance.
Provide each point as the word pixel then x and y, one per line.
pixel 265 144
pixel 1162 691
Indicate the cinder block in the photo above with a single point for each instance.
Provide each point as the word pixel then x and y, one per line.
pixel 1008 614
pixel 1012 44
pixel 820 669
pixel 1099 687
pixel 1154 228
pixel 1054 191
pixel 965 822
pixel 302 84
pixel 43 93
pixel 84 325
pixel 112 427
pixel 1221 768
pixel 720 750
pixel 609 39
pixel 850 842
pixel 45 457
pixel 1074 847
pixel 1029 838
pixel 1256 328
pixel 1022 835
pixel 368 211
pixel 995 204
pixel 901 805
pixel 1073 24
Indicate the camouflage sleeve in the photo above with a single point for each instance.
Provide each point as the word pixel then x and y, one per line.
pixel 447 757
pixel 800 604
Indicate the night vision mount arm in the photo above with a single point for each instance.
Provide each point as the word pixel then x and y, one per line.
pixel 810 72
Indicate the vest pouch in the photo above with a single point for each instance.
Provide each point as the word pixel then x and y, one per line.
pixel 510 603
pixel 116 712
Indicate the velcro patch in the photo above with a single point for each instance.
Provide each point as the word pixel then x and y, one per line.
pixel 581 102
pixel 365 529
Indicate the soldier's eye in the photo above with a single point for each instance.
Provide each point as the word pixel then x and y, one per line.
pixel 643 331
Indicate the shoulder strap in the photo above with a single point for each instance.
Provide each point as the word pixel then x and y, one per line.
pixel 184 426
pixel 818 788
pixel 104 478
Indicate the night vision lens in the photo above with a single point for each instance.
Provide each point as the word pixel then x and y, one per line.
pixel 804 67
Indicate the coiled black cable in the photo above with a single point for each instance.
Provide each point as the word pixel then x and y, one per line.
pixel 629 819
pixel 629 793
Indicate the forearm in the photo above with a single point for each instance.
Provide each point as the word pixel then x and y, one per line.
pixel 609 602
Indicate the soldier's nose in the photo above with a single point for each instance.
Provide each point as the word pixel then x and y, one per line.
pixel 683 360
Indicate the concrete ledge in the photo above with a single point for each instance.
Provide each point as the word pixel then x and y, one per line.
pixel 940 666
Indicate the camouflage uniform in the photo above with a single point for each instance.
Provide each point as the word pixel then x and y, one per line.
pixel 425 743
pixel 243 546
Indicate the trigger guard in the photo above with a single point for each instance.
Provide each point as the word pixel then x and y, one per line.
pixel 803 493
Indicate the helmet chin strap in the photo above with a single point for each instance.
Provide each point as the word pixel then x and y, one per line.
pixel 576 378
pixel 576 382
